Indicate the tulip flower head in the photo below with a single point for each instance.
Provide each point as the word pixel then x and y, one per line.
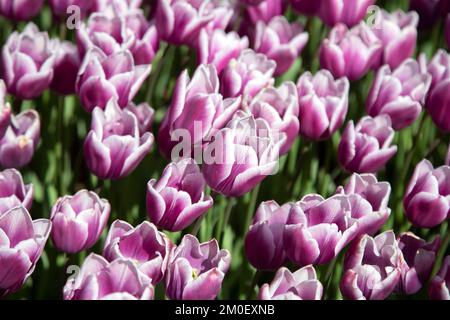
pixel 13 191
pixel 440 285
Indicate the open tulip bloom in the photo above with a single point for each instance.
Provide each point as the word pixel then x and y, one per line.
pixel 224 150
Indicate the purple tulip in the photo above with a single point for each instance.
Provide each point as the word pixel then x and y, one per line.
pixel 438 67
pixel 279 107
pixel 144 245
pixel 241 155
pixel 99 279
pixel 144 114
pixel 427 197
pixel 350 53
pixel 65 69
pixel 372 267
pixel 78 221
pixel 438 105
pixel 13 191
pixel 366 147
pixel 27 62
pixel 439 288
pixel 22 243
pixel 247 75
pixel 428 10
pixel 399 94
pixel 59 7
pixel 5 110
pixel 323 104
pixel 264 11
pixel 300 285
pixel 115 32
pixel 280 41
pixel 348 12
pixel 113 147
pixel 264 240
pixel 102 77
pixel 20 140
pixel 177 198
pixel 219 47
pixel 197 108
pixel 307 7
pixel 196 270
pixel 20 9
pixel 398 34
pixel 325 227
pixel 419 258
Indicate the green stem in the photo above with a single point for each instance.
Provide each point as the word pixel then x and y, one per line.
pixel 441 253
pixel 226 217
pixel 251 208
pixel 197 225
pixel 254 282
pixel 155 75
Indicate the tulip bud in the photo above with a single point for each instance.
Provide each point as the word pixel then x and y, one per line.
pixel 177 199
pixel 367 147
pixel 279 107
pixel 218 48
pixel 144 245
pixel 427 197
pixel 65 69
pixel 419 258
pixel 27 62
pixel 113 147
pixel 23 241
pixel 20 140
pixel 307 7
pixel 372 268
pixel 300 285
pixel 197 109
pixel 196 270
pixel 20 9
pixel 348 12
pixel 399 94
pixel 350 53
pixel 102 77
pixel 438 67
pixel 99 279
pixel 241 155
pixel 13 191
pixel 439 285
pixel 144 115
pixel 323 104
pixel 247 75
pixel 280 41
pixel 5 110
pixel 438 105
pixel 398 34
pixel 78 221
pixel 264 240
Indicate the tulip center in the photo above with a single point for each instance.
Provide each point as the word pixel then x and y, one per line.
pixel 23 141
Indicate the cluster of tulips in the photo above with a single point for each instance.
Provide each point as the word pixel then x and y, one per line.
pixel 252 87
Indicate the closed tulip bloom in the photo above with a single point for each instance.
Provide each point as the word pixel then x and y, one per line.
pixel 280 41
pixel 218 48
pixel 419 258
pixel 323 104
pixel 348 12
pixel 102 77
pixel 308 7
pixel 113 147
pixel 23 241
pixel 197 108
pixel 13 191
pixel 366 147
pixel 99 279
pixel 439 288
pixel 438 67
pixel 350 53
pixel 20 140
pixel 399 94
pixel 148 248
pixel 325 227
pixel 264 240
pixel 247 75
pixel 438 105
pixel 279 107
pixel 264 11
pixel 78 221
pixel 372 268
pixel 5 110
pixel 177 198
pixel 65 69
pixel 144 114
pixel 427 197
pixel 300 285
pixel 20 9
pixel 398 33
pixel 196 270
pixel 27 62
pixel 241 155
